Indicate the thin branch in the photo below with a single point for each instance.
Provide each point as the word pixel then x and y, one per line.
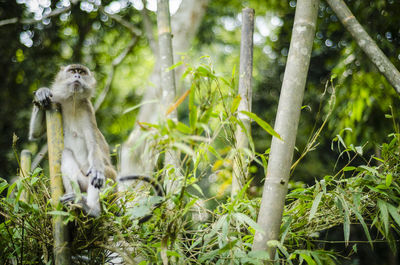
pixel 366 43
pixel 39 156
pixel 55 12
pixel 148 29
pixel 118 60
pixel 129 26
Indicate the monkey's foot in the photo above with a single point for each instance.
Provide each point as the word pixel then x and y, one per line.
pixel 97 177
pixel 81 204
pixel 66 198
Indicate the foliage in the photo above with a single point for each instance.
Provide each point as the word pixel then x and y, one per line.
pixel 92 37
pixel 183 229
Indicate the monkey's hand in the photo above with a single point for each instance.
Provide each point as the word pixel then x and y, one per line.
pixel 96 177
pixel 43 97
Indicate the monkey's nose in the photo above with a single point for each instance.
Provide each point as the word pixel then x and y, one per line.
pixel 77 76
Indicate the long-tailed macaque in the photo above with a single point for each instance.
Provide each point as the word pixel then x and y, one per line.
pixel 85 158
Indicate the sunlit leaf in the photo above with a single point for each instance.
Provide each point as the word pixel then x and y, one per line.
pixel 262 123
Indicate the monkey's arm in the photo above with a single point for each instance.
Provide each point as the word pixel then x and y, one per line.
pixel 95 155
pixel 37 124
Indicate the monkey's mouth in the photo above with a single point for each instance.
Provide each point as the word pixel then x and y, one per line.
pixel 76 85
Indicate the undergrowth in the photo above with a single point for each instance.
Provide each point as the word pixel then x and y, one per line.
pixel 193 226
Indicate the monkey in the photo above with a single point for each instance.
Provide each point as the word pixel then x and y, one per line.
pixel 85 161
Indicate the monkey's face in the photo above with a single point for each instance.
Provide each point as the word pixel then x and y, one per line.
pixel 74 80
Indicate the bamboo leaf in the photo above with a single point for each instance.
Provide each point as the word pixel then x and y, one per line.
pixel 307 258
pixel 60 213
pixel 389 179
pixel 364 225
pixel 262 123
pixel 314 207
pixel 185 148
pixel 384 215
pixel 178 102
pixel 139 105
pixel 247 220
pixel 349 168
pixel 394 213
pixel 174 66
pixel 235 103
pixel 183 128
pixel 341 203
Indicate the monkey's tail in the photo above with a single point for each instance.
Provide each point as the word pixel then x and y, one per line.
pixel 153 182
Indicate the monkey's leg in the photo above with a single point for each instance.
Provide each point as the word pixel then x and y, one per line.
pixel 93 201
pixel 73 174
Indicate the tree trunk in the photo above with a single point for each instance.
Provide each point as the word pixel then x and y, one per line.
pixel 245 76
pixel 275 186
pixel 137 154
pixel 366 43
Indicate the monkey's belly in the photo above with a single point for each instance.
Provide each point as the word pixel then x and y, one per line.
pixel 77 145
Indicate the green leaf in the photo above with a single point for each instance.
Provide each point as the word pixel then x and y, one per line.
pixel 384 215
pixel 262 123
pixel 307 258
pixel 185 148
pixel 341 203
pixel 139 105
pixel 183 128
pixel 371 170
pixel 394 213
pixel 197 187
pixel 174 66
pixel 173 253
pixel 364 225
pixel 11 188
pixel 285 228
pixel 314 207
pixel 244 129
pixel 3 185
pixel 349 168
pixel 61 213
pixel 389 179
pixel 250 222
pixel 235 103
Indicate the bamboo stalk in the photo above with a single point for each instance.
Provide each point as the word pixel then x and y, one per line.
pixel 366 43
pixel 55 142
pixel 26 161
pixel 287 119
pixel 245 76
pixel 173 181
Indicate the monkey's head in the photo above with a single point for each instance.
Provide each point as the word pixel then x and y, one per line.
pixel 74 80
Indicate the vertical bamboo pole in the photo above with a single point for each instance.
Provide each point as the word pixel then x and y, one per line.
pixel 173 182
pixel 55 142
pixel 245 76
pixel 287 119
pixel 26 160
